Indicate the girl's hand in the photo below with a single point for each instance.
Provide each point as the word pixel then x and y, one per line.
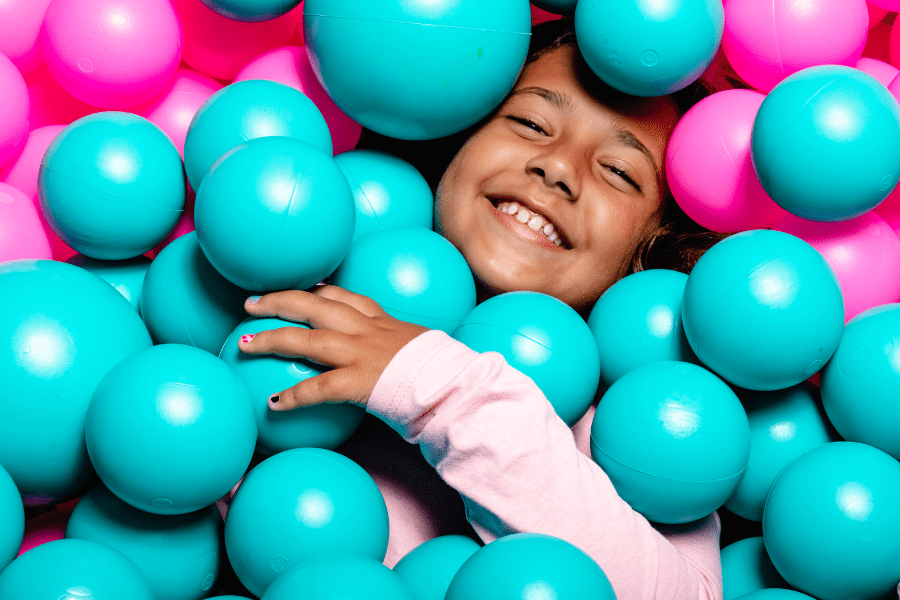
pixel 351 333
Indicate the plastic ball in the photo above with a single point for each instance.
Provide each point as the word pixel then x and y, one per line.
pixel 859 384
pixel 545 339
pixel 228 598
pixel 22 232
pixel 763 310
pixel 338 576
pixel 767 42
pixel 417 70
pixel 245 111
pixel 826 143
pixel 557 7
pixel 430 567
pixel 111 185
pixel 413 273
pixel 290 205
pixel 746 567
pixel 649 48
pixel 638 321
pixel 44 528
pixel 126 276
pixel 708 164
pixel 388 191
pixel 252 11
pixel 20 26
pixel 13 111
pixel 113 54
pixel 831 524
pixel 298 504
pixel 179 554
pixel 50 103
pixel 13 515
pixel 65 331
pixel 674 440
pixel 170 429
pixel 783 425
pixel 525 565
pixel 864 253
pixel 321 426
pixel 22 171
pixel 775 594
pixel 186 301
pixel 880 70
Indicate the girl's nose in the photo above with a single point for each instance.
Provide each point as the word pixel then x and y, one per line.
pixel 557 170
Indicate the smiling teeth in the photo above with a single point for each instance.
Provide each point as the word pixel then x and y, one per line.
pixel 534 221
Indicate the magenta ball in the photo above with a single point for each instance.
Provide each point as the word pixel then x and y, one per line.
pixel 46 527
pixel 113 54
pixel 880 70
pixel 290 65
pixel 50 103
pixel 22 233
pixel 22 171
pixel 709 168
pixel 13 110
pixel 20 24
pixel 767 41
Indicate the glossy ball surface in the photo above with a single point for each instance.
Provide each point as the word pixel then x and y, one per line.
pixel 12 514
pixel 252 11
pixel 337 576
pixel 746 567
pixel 429 568
pixel 776 594
pixel 126 276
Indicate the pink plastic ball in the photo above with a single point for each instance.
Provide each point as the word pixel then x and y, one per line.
pixel 113 54
pixel 767 41
pixel 539 15
pixel 290 65
pixel 880 70
pixel 864 253
pixel 20 24
pixel 46 527
pixel 709 168
pixel 887 5
pixel 173 110
pixel 894 44
pixel 50 104
pixel 22 234
pixel 14 108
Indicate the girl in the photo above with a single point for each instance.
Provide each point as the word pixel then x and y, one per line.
pixel 561 191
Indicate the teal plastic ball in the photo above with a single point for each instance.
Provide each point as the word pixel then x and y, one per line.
pixel 246 110
pixel 12 515
pixel 388 191
pixel 776 594
pixel 831 524
pixel 320 426
pixel 251 11
pixel 72 570
pixel 526 565
pixel 288 204
pixel 429 568
pixel 649 48
pixel 179 554
pixel 421 69
pixel 860 382
pixel 674 440
pixel 170 430
pixel 339 576
pixel 186 301
pixel 638 321
pixel 557 7
pixel 126 276
pixel 413 273
pixel 301 503
pixel 746 567
pixel 545 339
pixel 763 310
pixel 783 425
pixel 65 330
pixel 826 143
pixel 112 185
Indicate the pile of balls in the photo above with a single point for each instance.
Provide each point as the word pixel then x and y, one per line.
pixel 162 160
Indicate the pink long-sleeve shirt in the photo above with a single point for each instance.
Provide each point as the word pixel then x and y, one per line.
pixel 492 435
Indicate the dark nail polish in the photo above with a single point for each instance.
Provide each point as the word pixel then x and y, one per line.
pixel 274 399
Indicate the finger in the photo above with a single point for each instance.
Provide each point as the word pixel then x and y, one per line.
pixel 363 304
pixel 322 346
pixel 305 307
pixel 331 387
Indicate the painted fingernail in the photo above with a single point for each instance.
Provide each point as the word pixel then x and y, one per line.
pixel 274 398
pixel 253 299
pixel 245 339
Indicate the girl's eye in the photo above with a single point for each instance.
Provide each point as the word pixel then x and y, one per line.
pixel 527 123
pixel 624 175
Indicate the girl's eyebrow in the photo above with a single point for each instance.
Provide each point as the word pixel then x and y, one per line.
pixel 560 101
pixel 626 138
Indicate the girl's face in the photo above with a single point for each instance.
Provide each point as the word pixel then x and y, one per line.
pixel 556 191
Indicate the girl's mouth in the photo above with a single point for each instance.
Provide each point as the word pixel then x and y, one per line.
pixel 529 224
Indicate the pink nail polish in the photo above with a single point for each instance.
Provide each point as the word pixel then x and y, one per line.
pixel 246 338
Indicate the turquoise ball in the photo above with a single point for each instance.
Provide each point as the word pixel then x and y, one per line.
pixel 186 301
pixel 126 276
pixel 320 426
pixel 860 382
pixel 746 567
pixel 413 273
pixel 763 310
pixel 246 110
pixel 420 69
pixel 826 143
pixel 526 565
pixel 649 48
pixel 783 425
pixel 831 522
pixel 275 213
pixel 112 185
pixel 300 503
pixel 251 11
pixel 674 440
pixel 429 568
pixel 339 576
pixel 775 594
pixel 545 339
pixel 66 329
pixel 170 429
pixel 638 321
pixel 74 569
pixel 12 514
pixel 388 191
pixel 179 554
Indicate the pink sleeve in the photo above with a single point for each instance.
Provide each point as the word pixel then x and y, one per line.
pixel 493 436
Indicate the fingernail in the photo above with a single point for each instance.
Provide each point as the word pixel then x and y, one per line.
pixel 253 299
pixel 245 339
pixel 274 398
